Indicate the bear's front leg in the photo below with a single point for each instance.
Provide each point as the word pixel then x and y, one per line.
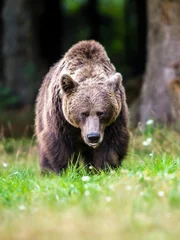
pixel 54 153
pixel 103 158
pixel 45 164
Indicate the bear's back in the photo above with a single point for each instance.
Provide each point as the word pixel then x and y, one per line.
pixel 87 59
pixel 89 50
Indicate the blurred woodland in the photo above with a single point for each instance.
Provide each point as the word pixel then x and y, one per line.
pixel 141 37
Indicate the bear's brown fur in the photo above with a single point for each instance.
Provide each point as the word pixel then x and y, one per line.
pixel 81 108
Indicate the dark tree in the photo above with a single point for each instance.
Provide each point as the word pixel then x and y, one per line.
pixel 1 34
pixel 93 19
pixel 135 35
pixel 23 67
pixel 49 30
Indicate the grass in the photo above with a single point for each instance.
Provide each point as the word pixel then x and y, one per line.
pixel 140 200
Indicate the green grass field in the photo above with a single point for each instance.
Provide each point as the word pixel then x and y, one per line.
pixel 140 200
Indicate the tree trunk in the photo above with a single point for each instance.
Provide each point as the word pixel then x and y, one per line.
pixel 22 64
pixel 160 97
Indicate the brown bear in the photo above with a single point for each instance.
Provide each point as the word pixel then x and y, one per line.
pixel 81 109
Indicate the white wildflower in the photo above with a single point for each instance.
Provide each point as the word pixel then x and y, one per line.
pixel 151 154
pixel 161 194
pixel 149 122
pixel 147 178
pixel 124 171
pixel 112 172
pixel 4 165
pixel 85 178
pixel 108 199
pixel 90 167
pixel 128 187
pixel 139 174
pixel 57 197
pixel 86 193
pixel 141 193
pixel 111 187
pixel 169 176
pixel 86 186
pixel 147 142
pixel 22 207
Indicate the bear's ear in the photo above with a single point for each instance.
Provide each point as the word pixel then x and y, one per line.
pixel 115 81
pixel 67 83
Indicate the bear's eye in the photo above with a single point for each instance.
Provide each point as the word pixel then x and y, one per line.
pixel 100 114
pixel 84 114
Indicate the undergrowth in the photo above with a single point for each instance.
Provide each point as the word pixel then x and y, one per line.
pixel 139 200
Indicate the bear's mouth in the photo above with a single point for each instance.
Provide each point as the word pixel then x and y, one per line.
pixel 93 145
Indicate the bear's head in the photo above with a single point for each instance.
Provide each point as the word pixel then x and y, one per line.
pixel 91 105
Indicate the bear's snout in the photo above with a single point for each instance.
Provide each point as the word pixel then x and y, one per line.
pixel 91 131
pixel 93 137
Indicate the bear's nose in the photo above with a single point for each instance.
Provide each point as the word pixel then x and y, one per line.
pixel 93 137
